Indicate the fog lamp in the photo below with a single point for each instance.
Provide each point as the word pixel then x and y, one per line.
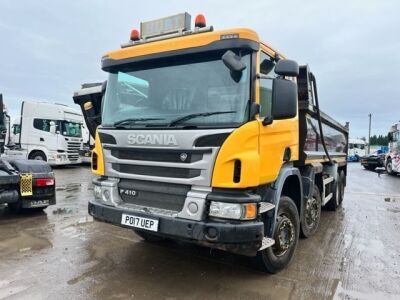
pixel 97 192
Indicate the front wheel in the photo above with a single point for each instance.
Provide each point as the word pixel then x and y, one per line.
pixel 286 236
pixel 311 214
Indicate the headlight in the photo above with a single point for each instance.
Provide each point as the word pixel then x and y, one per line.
pixel 237 211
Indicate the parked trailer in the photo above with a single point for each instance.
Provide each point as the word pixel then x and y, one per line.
pixel 181 152
pixel 48 132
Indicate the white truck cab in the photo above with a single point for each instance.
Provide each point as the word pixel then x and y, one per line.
pixel 49 132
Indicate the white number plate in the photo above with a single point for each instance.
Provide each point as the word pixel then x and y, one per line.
pixel 139 222
pixel 39 203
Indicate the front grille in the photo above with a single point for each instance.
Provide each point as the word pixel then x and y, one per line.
pixel 162 195
pixel 159 155
pixel 73 149
pixel 156 171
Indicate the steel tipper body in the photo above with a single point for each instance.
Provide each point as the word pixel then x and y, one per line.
pixel 392 159
pixel 203 137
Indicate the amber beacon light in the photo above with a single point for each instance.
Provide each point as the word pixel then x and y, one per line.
pixel 200 21
pixel 135 36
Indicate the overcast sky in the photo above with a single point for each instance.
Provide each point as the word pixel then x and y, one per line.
pixel 48 48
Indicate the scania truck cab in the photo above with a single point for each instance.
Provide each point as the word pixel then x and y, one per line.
pixel 213 137
pixel 47 131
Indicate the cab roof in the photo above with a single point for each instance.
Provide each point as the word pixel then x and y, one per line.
pixel 188 42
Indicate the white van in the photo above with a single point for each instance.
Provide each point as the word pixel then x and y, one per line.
pixel 49 132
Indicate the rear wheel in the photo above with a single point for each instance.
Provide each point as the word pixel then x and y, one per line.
pixel 311 214
pixel 389 167
pixel 38 155
pixel 338 193
pixel 286 236
pixel 149 237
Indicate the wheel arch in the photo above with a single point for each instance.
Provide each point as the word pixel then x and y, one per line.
pixel 33 151
pixel 289 184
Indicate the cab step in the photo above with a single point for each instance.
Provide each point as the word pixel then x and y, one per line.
pixel 266 243
pixel 266 206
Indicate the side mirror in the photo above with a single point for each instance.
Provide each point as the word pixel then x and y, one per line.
pixel 52 127
pixel 284 100
pixel 233 62
pixel 287 67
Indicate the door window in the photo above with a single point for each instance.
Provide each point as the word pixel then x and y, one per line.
pixel 267 66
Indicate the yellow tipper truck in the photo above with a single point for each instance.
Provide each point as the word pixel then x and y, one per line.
pixel 215 138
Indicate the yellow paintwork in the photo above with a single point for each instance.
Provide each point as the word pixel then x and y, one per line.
pixel 241 144
pixel 260 148
pixel 100 158
pixel 184 42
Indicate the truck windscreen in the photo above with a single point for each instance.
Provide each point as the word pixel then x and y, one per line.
pixel 196 92
pixel 71 129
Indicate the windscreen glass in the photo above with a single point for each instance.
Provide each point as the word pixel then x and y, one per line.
pixel 202 91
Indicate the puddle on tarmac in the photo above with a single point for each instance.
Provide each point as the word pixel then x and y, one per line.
pixel 342 293
pixel 391 199
pixel 23 243
pixel 65 211
pixel 69 187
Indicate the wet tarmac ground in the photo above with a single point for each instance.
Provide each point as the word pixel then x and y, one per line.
pixel 62 253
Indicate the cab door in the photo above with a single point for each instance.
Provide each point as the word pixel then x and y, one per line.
pixel 278 140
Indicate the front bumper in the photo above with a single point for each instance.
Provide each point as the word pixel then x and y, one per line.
pixel 238 237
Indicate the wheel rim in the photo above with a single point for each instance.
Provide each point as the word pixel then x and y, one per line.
pixel 38 158
pixel 312 212
pixel 284 235
pixel 389 167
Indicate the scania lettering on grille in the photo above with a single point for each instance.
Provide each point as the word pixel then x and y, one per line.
pixel 152 139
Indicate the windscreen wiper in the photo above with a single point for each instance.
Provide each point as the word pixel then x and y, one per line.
pixel 132 121
pixel 195 115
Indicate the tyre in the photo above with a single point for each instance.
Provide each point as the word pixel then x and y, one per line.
pixel 342 180
pixel 334 203
pixel 149 237
pixel 389 167
pixel 311 214
pixel 38 155
pixel 286 235
pixel 338 193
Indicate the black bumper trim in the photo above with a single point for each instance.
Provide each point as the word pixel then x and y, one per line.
pixel 227 233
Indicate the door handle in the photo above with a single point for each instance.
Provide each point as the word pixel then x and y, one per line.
pixel 42 139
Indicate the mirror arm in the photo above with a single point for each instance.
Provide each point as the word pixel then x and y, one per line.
pixel 254 110
pixel 267 120
pixel 263 76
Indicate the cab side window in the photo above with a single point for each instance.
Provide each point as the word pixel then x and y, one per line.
pixel 42 124
pixel 267 66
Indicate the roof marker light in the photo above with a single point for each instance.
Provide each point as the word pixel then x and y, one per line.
pixel 135 36
pixel 200 21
